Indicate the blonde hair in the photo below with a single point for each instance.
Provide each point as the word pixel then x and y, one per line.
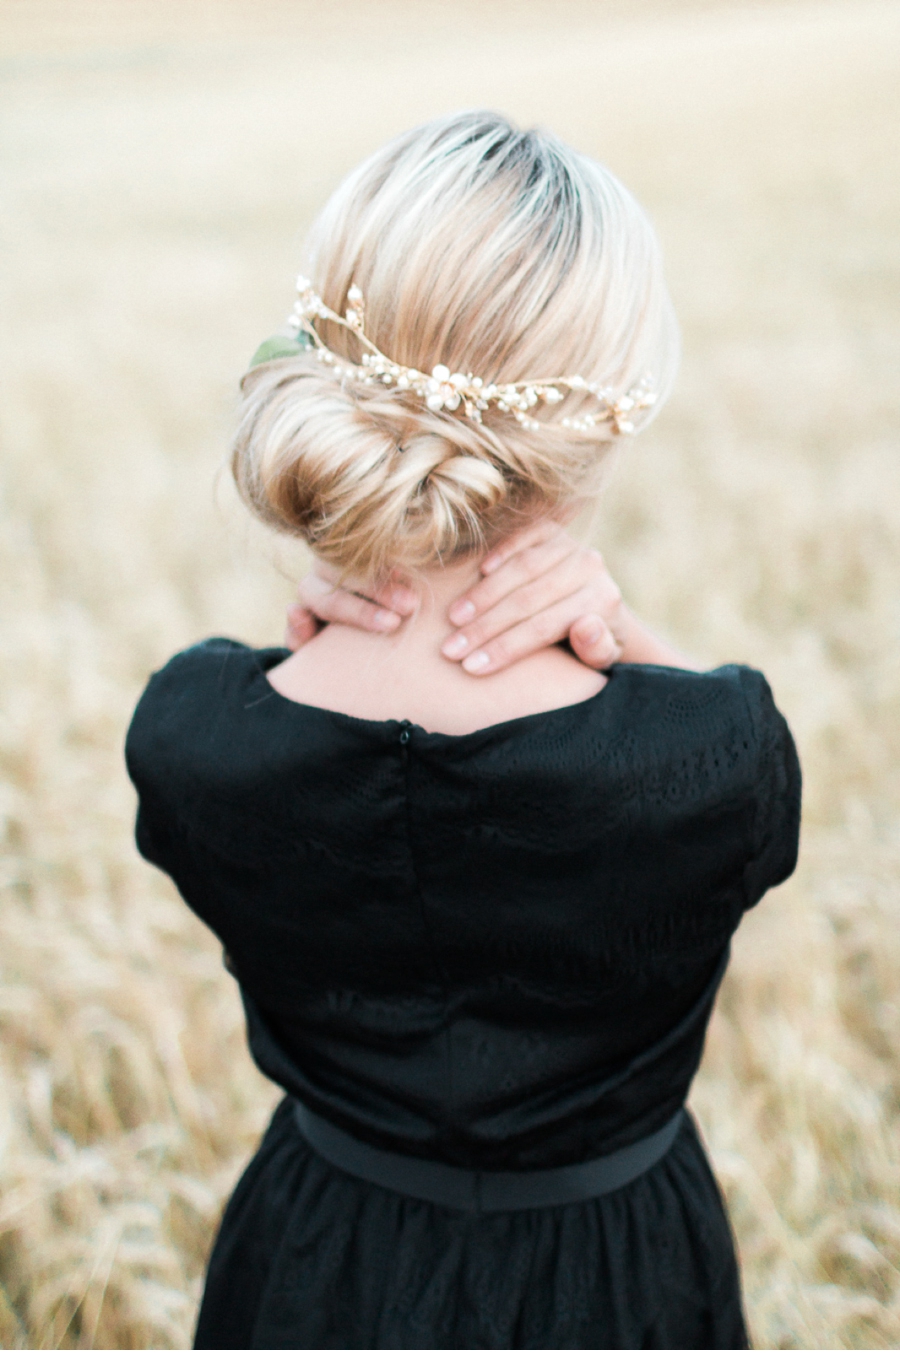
pixel 490 250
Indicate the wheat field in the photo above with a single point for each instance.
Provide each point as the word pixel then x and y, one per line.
pixel 159 164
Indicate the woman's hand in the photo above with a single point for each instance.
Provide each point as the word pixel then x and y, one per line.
pixel 321 600
pixel 538 588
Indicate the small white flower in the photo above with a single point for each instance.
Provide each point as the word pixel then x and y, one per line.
pixel 443 390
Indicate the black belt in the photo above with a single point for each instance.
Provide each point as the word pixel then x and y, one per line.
pixel 484 1190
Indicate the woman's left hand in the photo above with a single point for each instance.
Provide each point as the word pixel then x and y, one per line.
pixel 538 588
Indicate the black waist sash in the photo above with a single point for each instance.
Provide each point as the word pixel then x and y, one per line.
pixel 484 1190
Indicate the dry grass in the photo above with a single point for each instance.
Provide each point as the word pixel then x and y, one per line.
pixel 160 161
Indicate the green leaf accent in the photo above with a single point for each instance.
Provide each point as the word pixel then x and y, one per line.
pixel 281 346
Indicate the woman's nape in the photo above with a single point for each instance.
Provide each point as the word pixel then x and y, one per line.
pixel 537 588
pixel 403 674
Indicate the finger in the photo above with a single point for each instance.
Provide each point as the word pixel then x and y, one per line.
pixel 301 627
pixel 539 631
pixel 537 534
pixel 552 586
pixel 334 605
pixel 393 596
pixel 594 643
pixel 522 568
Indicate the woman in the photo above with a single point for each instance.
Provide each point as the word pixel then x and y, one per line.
pixel 478 925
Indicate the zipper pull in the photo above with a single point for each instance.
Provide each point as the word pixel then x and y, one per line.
pixel 405 726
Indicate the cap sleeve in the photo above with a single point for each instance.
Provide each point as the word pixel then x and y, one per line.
pixel 776 822
pixel 175 727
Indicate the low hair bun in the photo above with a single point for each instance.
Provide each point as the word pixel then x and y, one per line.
pixel 368 481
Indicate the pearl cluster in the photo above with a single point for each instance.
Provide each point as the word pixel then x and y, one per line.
pixel 444 390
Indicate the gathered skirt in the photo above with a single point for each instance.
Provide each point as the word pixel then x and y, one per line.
pixel 310 1257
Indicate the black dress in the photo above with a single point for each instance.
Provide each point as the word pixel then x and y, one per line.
pixel 495 950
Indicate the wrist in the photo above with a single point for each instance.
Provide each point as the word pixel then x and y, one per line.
pixel 639 644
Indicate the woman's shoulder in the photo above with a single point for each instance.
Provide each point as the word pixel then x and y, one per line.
pixel 721 733
pixel 212 662
pixel 683 704
pixel 188 704
pixel 730 684
pixel 189 679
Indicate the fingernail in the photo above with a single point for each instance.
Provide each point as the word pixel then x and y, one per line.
pixel 455 646
pixel 461 612
pixel 385 620
pixel 591 633
pixel 476 662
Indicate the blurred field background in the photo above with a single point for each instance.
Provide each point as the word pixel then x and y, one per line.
pixel 159 164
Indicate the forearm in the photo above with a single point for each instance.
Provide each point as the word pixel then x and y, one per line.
pixel 640 644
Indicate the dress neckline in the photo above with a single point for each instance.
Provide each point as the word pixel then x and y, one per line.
pixel 266 659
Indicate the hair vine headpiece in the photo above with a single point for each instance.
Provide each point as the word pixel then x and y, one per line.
pixel 446 390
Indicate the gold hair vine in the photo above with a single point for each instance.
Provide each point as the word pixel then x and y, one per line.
pixel 446 390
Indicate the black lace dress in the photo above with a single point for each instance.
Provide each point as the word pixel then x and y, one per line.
pixel 497 951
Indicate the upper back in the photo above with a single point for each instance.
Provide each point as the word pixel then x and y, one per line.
pixel 653 812
pixel 404 676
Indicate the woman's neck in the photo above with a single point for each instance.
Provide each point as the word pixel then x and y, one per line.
pixel 436 589
pixel 403 675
